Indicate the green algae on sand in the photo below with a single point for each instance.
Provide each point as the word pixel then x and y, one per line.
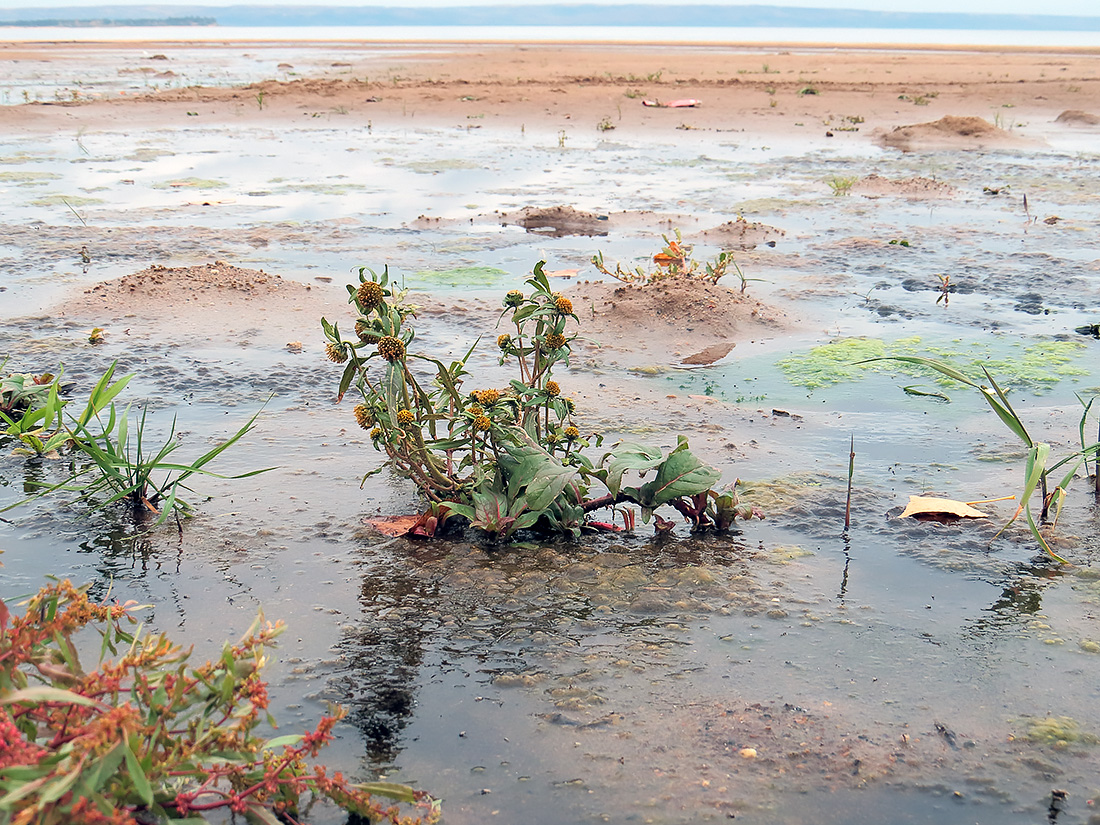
pixel 1037 366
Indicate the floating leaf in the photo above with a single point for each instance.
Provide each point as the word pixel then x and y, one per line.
pixel 932 508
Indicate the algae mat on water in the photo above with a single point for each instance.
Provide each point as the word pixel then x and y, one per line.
pixel 486 276
pixel 1036 366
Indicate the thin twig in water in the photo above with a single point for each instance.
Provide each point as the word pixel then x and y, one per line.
pixel 851 472
pixel 74 212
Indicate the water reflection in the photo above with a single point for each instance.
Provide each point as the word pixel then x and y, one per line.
pixel 505 609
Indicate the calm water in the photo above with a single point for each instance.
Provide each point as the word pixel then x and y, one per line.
pixel 622 34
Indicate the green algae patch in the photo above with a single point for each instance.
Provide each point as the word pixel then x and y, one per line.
pixel 66 200
pixel 834 363
pixel 1058 732
pixel 486 276
pixel 190 183
pixel 27 178
pixel 779 494
pixel 1037 366
pixel 434 167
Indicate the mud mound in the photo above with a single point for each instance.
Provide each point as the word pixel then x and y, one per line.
pixel 874 186
pixel 672 319
pixel 743 234
pixel 204 284
pixel 947 132
pixel 1075 117
pixel 557 221
pixel 208 300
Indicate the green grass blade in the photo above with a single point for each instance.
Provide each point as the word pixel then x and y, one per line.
pixel 938 366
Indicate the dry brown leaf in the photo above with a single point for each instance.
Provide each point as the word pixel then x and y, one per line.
pixel 930 507
pixel 395 525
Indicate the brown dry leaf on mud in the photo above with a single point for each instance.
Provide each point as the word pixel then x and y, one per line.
pixel 396 525
pixel 714 352
pixel 931 508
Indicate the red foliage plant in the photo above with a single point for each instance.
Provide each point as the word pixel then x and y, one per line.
pixel 147 737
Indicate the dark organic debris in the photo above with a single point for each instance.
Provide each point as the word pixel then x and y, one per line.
pixel 557 221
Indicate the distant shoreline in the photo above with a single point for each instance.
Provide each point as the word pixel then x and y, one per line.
pixel 501 15
pixel 100 23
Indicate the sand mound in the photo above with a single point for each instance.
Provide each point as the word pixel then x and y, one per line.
pixel 874 186
pixel 557 221
pixel 675 320
pixel 208 300
pixel 947 132
pixel 743 234
pixel 207 285
pixel 1075 117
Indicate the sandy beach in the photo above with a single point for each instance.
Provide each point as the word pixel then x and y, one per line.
pixel 792 91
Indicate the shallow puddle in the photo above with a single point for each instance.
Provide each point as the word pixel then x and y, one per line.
pixel 904 672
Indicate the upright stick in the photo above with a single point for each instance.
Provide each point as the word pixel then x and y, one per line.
pixel 851 471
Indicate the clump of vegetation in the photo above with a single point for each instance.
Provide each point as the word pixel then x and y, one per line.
pixel 504 458
pixel 1058 732
pixel 1037 469
pixel 841 184
pixel 145 736
pixel 118 465
pixel 675 260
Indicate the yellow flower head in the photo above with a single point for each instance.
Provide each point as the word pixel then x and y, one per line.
pixel 552 388
pixel 392 349
pixel 369 295
pixel 363 416
pixel 405 417
pixel 486 397
pixel 564 305
pixel 504 341
pixel 555 340
pixel 482 423
pixel 571 433
pixel 336 353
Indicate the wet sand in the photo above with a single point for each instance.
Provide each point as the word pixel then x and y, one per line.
pixel 792 91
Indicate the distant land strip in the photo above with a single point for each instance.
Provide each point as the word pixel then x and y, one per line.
pixel 105 22
pixel 547 14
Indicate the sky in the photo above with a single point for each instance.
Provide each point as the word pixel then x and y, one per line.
pixel 1089 8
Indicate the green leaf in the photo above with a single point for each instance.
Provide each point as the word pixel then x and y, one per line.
pixel 1004 411
pixel 46 694
pixel 392 387
pixel 549 480
pixel 22 791
pixel 628 456
pixel 257 813
pixel 283 741
pixel 97 774
pixel 60 786
pixel 681 474
pixel 390 790
pixel 464 510
pixel 137 775
pixel 938 366
pixel 346 378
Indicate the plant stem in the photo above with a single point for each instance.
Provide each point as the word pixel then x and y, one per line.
pixel 851 471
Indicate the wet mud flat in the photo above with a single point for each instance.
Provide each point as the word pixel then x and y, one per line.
pixel 904 672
